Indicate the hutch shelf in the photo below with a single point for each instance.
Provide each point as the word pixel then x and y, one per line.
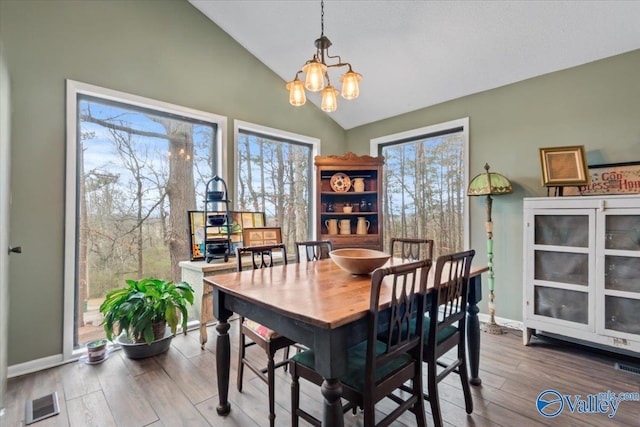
pixel 354 182
pixel 582 270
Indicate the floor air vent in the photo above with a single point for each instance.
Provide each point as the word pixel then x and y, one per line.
pixel 627 368
pixel 41 408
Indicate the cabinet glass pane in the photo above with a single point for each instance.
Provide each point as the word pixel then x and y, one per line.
pixel 622 314
pixel 562 230
pixel 562 267
pixel 623 232
pixel 561 304
pixel 622 273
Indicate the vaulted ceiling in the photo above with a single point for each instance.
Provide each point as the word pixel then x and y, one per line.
pixel 414 54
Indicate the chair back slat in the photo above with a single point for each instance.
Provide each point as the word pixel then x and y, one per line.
pixel 411 249
pixel 261 256
pixel 407 285
pixel 313 250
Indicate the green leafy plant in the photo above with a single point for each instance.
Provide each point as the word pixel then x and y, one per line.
pixel 143 303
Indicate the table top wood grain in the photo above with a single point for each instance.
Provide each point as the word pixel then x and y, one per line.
pixel 318 293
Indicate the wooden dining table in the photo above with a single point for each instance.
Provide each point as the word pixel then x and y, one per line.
pixel 319 305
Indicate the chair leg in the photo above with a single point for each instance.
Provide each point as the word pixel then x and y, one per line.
pixel 434 399
pixel 271 381
pixel 241 356
pixel 418 407
pixel 295 396
pixel 285 357
pixel 369 413
pixel 464 378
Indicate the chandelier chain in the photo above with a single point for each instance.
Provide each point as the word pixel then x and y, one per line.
pixel 322 18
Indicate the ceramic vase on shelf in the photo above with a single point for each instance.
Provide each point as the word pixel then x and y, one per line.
pixel 345 226
pixel 331 207
pixel 358 185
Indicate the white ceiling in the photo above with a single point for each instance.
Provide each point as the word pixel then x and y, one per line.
pixel 413 54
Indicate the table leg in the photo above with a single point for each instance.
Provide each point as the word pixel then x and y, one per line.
pixel 223 363
pixel 473 343
pixel 332 409
pixel 203 334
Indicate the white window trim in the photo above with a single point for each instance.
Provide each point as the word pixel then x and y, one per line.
pixel 280 134
pixel 374 149
pixel 74 88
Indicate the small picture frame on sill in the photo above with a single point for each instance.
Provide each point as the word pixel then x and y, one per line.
pixel 259 236
pixel 564 166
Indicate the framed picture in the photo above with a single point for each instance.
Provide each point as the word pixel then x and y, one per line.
pixel 564 166
pixel 261 236
pixel 613 178
pixel 239 220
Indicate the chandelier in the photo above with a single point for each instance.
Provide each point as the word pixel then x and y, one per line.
pixel 317 76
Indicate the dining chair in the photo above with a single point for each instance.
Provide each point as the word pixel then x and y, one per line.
pixel 445 328
pixel 375 368
pixel 267 339
pixel 411 249
pixel 313 250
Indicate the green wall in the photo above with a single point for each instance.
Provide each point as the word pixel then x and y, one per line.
pixel 597 104
pixel 166 50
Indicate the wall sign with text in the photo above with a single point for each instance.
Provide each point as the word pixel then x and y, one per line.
pixel 614 178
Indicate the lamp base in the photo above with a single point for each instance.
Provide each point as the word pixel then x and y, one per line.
pixel 493 329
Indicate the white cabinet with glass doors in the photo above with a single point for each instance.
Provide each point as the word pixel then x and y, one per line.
pixel 581 272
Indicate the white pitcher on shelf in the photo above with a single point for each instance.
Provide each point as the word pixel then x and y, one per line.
pixel 362 226
pixel 332 226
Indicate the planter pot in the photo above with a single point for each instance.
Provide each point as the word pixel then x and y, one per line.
pixel 215 195
pixel 216 220
pixel 96 350
pixel 141 350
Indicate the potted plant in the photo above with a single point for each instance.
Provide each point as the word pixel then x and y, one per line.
pixel 148 311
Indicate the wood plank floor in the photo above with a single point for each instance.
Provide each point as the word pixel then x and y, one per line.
pixel 178 388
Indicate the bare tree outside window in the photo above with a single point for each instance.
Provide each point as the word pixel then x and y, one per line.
pixel 424 190
pixel 275 176
pixel 139 171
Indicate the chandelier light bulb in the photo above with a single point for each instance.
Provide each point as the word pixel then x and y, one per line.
pixel 297 96
pixel 314 81
pixel 329 99
pixel 350 87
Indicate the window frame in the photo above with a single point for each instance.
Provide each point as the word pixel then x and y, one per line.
pixel 376 145
pixel 73 90
pixel 239 125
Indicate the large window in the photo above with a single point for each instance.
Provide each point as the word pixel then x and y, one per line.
pixel 274 174
pixel 134 168
pixel 425 182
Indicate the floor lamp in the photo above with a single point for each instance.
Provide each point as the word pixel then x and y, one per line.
pixel 490 184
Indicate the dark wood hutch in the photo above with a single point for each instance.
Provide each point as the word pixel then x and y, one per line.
pixel 337 178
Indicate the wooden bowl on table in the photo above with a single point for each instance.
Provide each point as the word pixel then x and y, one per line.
pixel 359 260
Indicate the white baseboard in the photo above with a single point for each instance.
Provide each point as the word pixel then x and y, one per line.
pixel 34 365
pixel 507 323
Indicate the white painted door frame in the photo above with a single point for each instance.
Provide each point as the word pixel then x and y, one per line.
pixel 5 152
